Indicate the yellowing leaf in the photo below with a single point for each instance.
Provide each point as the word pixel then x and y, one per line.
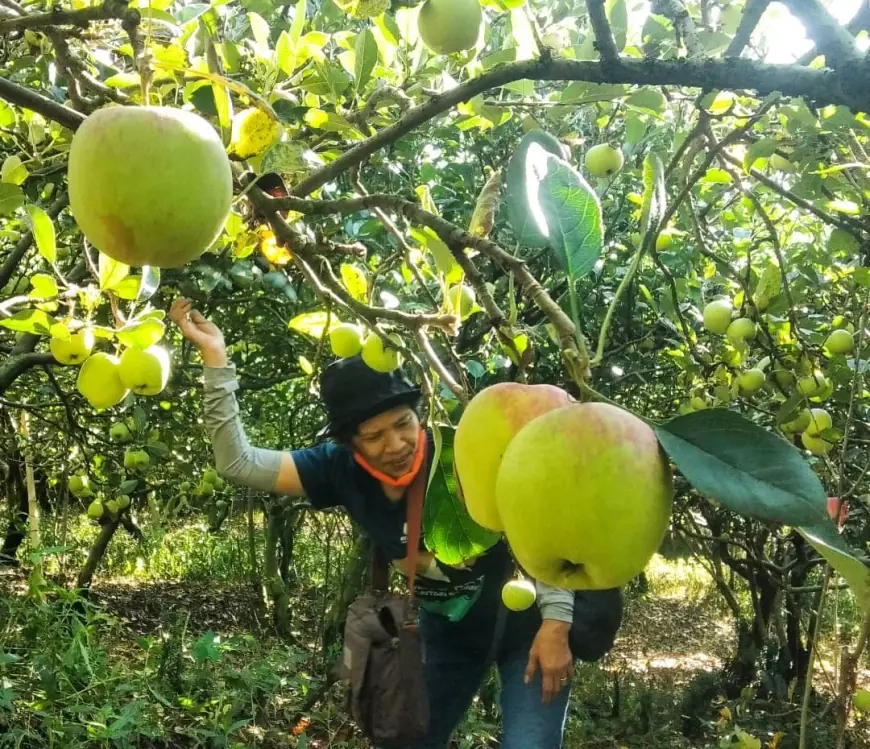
pixel 272 251
pixel 313 323
pixel 355 282
pixel 306 366
pixel 42 228
pixel 487 204
pixel 254 132
pixel 111 271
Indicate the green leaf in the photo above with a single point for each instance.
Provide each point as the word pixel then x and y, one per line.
pixel 355 282
pixel 523 34
pixel 42 228
pixel 744 467
pixel 617 14
pixel 44 286
pixel 13 172
pixel 649 100
pixel 519 198
pixel 260 32
pixel 828 542
pixel 566 211
pixel 313 323
pixel 366 55
pixel 287 49
pixel 449 531
pixel 111 271
pixel 761 149
pixel 406 20
pixel 142 333
pixel 444 260
pixel 11 199
pixel 654 193
pixel 29 321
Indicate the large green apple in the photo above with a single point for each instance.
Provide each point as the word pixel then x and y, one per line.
pixel 99 380
pixel 75 350
pixel 585 494
pixel 488 424
pixel 717 316
pixel 839 342
pixel 380 357
pixel 145 371
pixel 604 160
pixel 462 299
pixel 149 185
pixel 346 339
pixel 448 26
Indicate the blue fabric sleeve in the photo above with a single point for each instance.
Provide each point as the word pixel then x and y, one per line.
pixel 320 470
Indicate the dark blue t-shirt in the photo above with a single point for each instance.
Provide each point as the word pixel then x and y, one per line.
pixel 332 478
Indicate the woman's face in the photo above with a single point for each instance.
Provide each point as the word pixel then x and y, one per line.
pixel 388 441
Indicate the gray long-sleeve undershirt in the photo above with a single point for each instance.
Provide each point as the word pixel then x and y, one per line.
pixel 241 463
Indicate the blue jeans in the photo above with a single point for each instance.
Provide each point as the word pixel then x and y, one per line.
pixel 457 658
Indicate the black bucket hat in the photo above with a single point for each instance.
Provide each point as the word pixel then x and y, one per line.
pixel 353 392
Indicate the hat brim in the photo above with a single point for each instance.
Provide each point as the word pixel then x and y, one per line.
pixel 410 397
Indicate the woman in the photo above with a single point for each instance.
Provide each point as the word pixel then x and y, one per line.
pixel 377 447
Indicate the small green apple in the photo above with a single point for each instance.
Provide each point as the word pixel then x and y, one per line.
pixel 781 164
pixel 79 485
pixel 861 700
pixel 750 380
pixel 184 486
pixel 210 475
pixel 120 432
pixel 664 240
pixel 379 357
pixel 717 316
pixel 346 340
pixel 99 380
pixel 698 403
pixel 799 423
pixel 813 384
pixel 75 350
pixel 815 444
pixel 112 506
pixel 124 502
pixel 839 342
pixel 742 329
pixel 819 421
pixel 448 26
pixel 205 489
pixel 604 160
pixel 95 510
pixel 145 371
pixel 518 595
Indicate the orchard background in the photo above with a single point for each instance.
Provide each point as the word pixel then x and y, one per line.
pixel 202 615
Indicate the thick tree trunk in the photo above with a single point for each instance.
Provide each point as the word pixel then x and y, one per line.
pixel 16 495
pixel 275 587
pixel 98 550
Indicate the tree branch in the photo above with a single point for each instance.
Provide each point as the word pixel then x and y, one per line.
pixel 604 41
pixel 822 86
pixel 16 366
pixel 752 13
pixel 832 40
pixel 9 266
pixel 683 22
pixel 24 97
pixel 108 10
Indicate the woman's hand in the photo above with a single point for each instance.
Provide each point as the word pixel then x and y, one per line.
pixel 202 333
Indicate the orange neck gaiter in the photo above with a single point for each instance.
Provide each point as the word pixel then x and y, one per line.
pixel 402 481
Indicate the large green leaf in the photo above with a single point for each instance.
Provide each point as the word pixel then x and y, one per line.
pixel 449 531
pixel 744 467
pixel 828 542
pixel 42 228
pixel 29 321
pixel 654 193
pixel 365 57
pixel 567 211
pixel 517 192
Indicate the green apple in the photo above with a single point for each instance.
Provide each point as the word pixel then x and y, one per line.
pixel 664 240
pixel 861 700
pixel 698 403
pixel 488 424
pixel 815 444
pixel 604 160
pixel 184 486
pixel 799 423
pixel 137 460
pixel 717 316
pixel 120 432
pixel 205 489
pixel 585 494
pixel 210 475
pixel 79 485
pixel 819 421
pixel 462 299
pixel 448 26
pixel 379 357
pixel 346 340
pixel 518 595
pixel 99 380
pixel 812 384
pixel 750 380
pixel 112 506
pixel 742 329
pixel 95 510
pixel 145 371
pixel 75 350
pixel 124 502
pixel 839 342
